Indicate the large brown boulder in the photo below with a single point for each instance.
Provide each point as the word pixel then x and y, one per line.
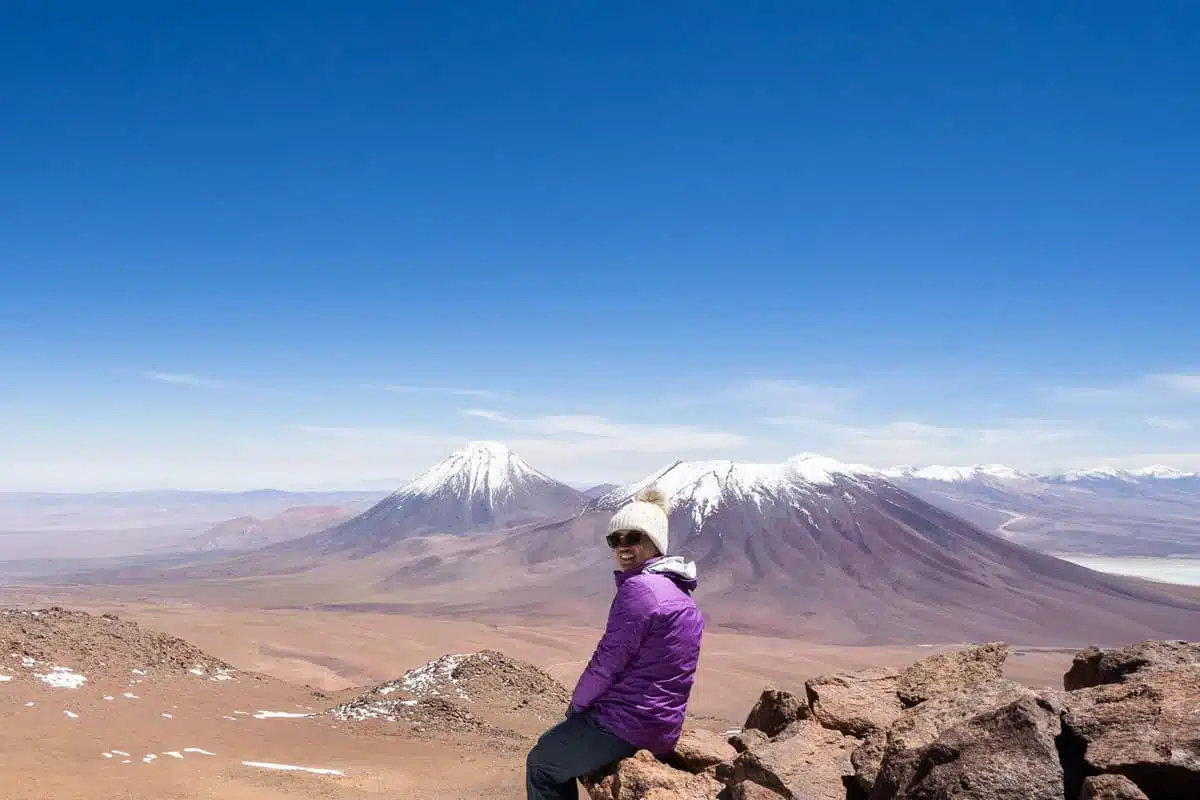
pixel 921 725
pixel 1146 728
pixel 1095 667
pixel 856 703
pixel 698 749
pixel 947 673
pixel 775 711
pixel 1111 787
pixel 1005 753
pixel 644 777
pixel 807 762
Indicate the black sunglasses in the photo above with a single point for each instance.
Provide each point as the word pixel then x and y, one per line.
pixel 623 539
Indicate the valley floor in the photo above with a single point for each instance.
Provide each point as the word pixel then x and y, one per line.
pixel 47 753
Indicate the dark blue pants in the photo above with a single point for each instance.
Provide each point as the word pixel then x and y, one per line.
pixel 574 748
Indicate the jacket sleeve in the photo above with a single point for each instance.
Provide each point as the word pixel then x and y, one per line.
pixel 628 621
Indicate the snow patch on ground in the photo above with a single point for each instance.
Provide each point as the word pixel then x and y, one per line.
pixel 292 768
pixel 279 715
pixel 383 709
pixel 428 680
pixel 61 678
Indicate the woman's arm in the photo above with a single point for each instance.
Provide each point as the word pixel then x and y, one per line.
pixel 628 621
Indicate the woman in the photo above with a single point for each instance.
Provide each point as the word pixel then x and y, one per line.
pixel 634 693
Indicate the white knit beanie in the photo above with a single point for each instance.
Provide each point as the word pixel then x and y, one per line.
pixel 648 514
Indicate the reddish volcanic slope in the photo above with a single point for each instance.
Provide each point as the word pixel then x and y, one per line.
pixel 830 551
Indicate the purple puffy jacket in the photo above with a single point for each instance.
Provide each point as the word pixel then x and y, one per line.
pixel 638 682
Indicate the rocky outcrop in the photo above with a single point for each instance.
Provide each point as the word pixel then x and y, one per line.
pixel 921 725
pixel 952 672
pixel 806 762
pixel 857 703
pixel 1146 728
pixel 951 727
pixel 1095 667
pixel 775 711
pixel 1007 752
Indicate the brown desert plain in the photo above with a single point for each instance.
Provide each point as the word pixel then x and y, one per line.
pixel 304 662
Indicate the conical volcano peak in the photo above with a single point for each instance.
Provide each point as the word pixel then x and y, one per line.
pixel 481 486
pixel 481 470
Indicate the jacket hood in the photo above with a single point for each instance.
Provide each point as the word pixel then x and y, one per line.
pixel 682 572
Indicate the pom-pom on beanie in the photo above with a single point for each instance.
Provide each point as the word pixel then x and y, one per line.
pixel 648 514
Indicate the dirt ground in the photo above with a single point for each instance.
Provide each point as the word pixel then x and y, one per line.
pixel 47 753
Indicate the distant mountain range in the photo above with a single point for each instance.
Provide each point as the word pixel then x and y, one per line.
pixel 251 532
pixel 809 546
pixel 1149 511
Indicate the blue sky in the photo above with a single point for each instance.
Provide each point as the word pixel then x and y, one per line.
pixel 318 244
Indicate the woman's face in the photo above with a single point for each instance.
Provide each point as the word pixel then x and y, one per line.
pixel 631 549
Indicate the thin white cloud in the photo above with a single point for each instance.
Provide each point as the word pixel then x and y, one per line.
pixel 1179 382
pixel 483 413
pixel 1027 443
pixel 187 379
pixel 590 433
pixel 790 397
pixel 395 388
pixel 1167 424
pixel 1144 389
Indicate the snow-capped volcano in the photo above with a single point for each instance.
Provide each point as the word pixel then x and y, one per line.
pixel 484 486
pixel 702 487
pixel 481 472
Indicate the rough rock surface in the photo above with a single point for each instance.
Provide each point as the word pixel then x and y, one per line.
pixel 748 739
pixel 1095 667
pixel 856 703
pixel 867 758
pixel 698 749
pixel 752 791
pixel 1146 728
pixel 775 711
pixel 807 762
pixel 643 777
pixel 1111 787
pixel 1008 753
pixel 922 724
pixel 951 672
